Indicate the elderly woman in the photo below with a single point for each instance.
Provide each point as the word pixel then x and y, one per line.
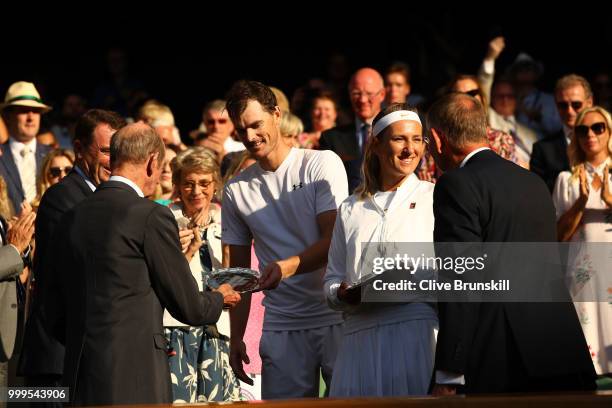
pixel 323 115
pixel 56 165
pixel 583 200
pixel 198 356
pixel 387 350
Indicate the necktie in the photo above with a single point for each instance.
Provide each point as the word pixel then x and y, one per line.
pixel 27 173
pixel 365 134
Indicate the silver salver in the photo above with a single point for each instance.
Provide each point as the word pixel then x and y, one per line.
pixel 242 280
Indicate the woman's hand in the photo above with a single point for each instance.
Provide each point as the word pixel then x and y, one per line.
pixel 200 219
pixel 195 244
pixel 352 296
pixel 606 195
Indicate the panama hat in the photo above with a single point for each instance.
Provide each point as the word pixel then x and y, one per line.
pixel 24 94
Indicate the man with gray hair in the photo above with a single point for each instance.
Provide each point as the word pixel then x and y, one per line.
pixel 121 266
pixel 549 156
pixel 496 347
pixel 219 130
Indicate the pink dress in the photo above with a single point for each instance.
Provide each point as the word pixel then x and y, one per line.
pixel 252 333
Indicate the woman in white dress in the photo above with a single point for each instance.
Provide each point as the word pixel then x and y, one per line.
pixel 387 350
pixel 583 201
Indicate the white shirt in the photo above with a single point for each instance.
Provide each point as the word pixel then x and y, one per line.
pixel 278 209
pixel 129 183
pixel 26 166
pixel 404 215
pixel 567 131
pixel 230 145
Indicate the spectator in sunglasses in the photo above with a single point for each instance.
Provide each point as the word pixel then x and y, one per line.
pixel 56 165
pixel 549 156
pixel 219 129
pixel 500 142
pixel 583 200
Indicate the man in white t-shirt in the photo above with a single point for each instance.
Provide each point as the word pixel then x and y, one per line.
pixel 286 203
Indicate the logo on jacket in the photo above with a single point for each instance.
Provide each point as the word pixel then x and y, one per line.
pixel 298 185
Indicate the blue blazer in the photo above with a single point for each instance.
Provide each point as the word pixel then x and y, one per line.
pixel 8 170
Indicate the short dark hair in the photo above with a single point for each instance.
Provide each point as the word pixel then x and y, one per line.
pixel 244 91
pixel 91 119
pixel 460 117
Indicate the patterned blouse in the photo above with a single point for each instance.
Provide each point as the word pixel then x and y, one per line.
pixel 500 142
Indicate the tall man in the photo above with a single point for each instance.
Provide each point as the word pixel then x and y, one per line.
pixel 367 92
pixel 549 157
pixel 286 203
pixel 42 358
pixel 22 155
pixel 121 265
pixel 496 347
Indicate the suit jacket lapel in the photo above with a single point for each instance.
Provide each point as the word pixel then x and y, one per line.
pixel 11 168
pixel 80 183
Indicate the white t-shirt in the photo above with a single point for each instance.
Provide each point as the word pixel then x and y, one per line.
pixel 278 210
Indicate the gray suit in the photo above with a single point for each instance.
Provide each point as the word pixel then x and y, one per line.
pixel 10 266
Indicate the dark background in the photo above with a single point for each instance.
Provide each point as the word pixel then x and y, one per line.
pixel 187 57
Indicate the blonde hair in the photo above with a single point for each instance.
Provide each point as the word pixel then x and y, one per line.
pixel 42 179
pixel 195 160
pixel 370 168
pixel 281 99
pixel 155 113
pixel 574 151
pixel 290 125
pixel 237 161
pixel 6 209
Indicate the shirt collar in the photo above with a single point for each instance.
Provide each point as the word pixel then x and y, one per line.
pixel 599 169
pixel 17 147
pixel 471 154
pixel 129 183
pixel 81 173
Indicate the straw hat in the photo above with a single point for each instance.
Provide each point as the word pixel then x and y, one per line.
pixel 24 94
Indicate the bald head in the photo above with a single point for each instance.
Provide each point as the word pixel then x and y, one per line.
pixel 367 92
pixel 461 118
pixel 135 144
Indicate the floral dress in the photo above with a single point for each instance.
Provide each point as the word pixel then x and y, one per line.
pixel 199 356
pixel 589 267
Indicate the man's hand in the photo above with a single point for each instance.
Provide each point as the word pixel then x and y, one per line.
pixel 20 233
pixel 496 46
pixel 238 355
pixel 230 296
pixel 274 272
pixel 350 296
pixel 444 390
pixel 606 195
pixel 215 143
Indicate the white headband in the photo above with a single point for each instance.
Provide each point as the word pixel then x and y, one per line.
pixel 394 117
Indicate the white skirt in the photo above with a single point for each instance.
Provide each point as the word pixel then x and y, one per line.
pixel 393 359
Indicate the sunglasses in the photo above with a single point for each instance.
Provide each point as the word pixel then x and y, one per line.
pixel 473 92
pixel 219 121
pixel 582 131
pixel 57 171
pixel 576 105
